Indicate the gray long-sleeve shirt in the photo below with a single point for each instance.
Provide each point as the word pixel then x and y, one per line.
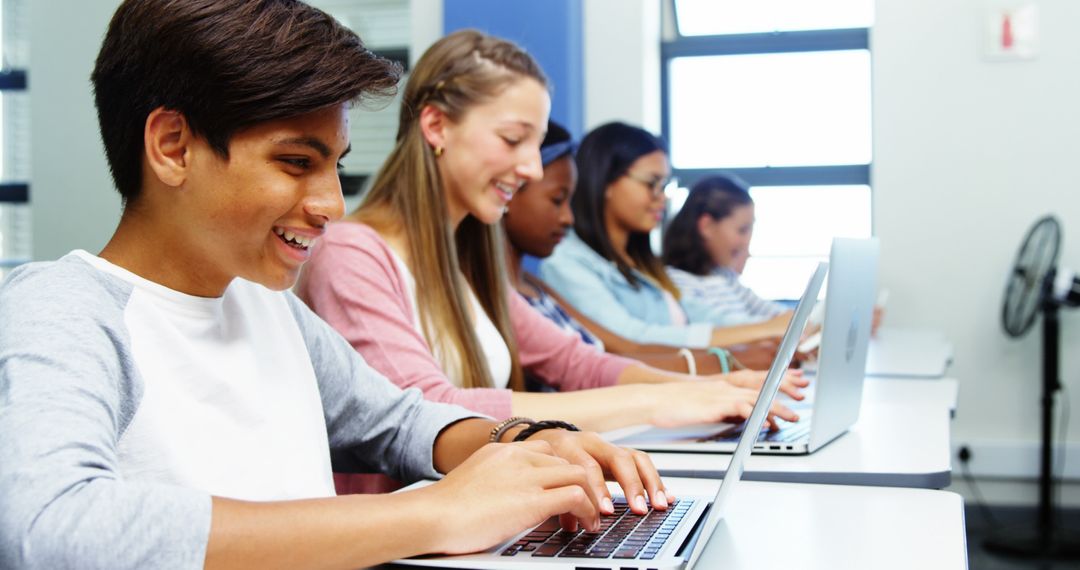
pixel 125 405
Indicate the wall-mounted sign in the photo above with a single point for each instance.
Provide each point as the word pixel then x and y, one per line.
pixel 1010 30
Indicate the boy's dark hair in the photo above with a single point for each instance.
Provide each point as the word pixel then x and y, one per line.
pixel 604 156
pixel 225 65
pixel 716 196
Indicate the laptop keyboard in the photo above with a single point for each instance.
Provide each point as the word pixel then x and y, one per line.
pixel 788 433
pixel 792 432
pixel 621 535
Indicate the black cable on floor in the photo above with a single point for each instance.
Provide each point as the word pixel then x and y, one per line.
pixel 980 503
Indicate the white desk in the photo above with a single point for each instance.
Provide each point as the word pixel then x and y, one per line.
pixel 826 527
pixel 944 392
pixel 785 525
pixel 908 353
pixel 902 439
pixel 887 447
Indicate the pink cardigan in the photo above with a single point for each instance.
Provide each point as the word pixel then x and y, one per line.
pixel 353 282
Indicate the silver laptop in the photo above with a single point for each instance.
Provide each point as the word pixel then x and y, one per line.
pixel 670 539
pixel 835 394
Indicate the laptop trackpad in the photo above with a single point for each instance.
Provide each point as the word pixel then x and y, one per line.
pixel 684 434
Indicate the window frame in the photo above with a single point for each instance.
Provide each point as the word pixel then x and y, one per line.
pixel 13 191
pixel 675 45
pixel 762 43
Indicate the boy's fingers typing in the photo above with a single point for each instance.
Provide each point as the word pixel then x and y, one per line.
pixel 624 469
pixel 574 495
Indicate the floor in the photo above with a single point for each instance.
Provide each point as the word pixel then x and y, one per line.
pixel 1011 521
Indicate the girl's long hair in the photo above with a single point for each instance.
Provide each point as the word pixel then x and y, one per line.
pixel 716 196
pixel 605 155
pixel 459 71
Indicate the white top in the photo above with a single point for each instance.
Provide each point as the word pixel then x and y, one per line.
pixel 492 343
pixel 238 365
pixel 678 316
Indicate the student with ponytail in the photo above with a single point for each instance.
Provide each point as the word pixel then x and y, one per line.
pixel 415 278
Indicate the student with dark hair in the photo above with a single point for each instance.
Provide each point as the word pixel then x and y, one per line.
pixel 706 247
pixel 166 404
pixel 607 269
pixel 538 218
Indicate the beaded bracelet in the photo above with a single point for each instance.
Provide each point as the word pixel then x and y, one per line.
pixel 500 428
pixel 721 355
pixel 691 365
pixel 542 425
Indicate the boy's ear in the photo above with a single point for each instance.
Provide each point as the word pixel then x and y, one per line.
pixel 167 139
pixel 433 122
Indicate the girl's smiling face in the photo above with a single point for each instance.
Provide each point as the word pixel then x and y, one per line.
pixel 492 150
pixel 727 240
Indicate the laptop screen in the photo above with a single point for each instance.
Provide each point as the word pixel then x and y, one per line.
pixel 761 408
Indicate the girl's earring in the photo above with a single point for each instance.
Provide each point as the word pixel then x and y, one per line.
pixel 438 151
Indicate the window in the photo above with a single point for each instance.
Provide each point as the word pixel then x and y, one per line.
pixel 779 93
pixel 384 27
pixel 14 136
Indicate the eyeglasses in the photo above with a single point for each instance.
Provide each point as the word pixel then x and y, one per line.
pixel 655 184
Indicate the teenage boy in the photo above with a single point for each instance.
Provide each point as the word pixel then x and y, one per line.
pixel 164 404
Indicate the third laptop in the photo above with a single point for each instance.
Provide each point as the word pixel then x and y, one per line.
pixel 832 403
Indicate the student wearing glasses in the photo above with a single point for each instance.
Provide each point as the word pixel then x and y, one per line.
pixel 606 268
pixel 538 218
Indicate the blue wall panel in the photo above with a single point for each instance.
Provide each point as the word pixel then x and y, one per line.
pixel 550 30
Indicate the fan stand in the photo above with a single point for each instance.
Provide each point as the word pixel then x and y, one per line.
pixel 1045 541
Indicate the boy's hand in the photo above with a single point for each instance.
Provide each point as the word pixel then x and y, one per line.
pixel 632 469
pixel 554 472
pixel 503 489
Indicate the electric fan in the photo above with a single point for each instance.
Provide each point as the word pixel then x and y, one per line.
pixel 1037 285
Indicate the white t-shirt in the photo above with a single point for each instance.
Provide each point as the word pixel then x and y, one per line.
pixel 232 385
pixel 495 350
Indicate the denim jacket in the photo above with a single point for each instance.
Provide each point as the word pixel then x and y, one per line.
pixel 594 286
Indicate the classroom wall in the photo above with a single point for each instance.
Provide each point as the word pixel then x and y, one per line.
pixel 968 153
pixel 622 62
pixel 73 202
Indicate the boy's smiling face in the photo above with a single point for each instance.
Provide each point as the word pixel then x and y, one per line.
pixel 257 214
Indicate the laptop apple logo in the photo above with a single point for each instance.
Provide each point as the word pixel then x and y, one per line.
pixel 852 333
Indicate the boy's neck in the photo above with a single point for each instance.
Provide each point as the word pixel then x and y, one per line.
pixel 144 247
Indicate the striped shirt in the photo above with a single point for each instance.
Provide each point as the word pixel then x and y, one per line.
pixel 545 305
pixel 732 302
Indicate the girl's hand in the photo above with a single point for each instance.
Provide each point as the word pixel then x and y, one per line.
pixel 792 383
pixel 686 403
